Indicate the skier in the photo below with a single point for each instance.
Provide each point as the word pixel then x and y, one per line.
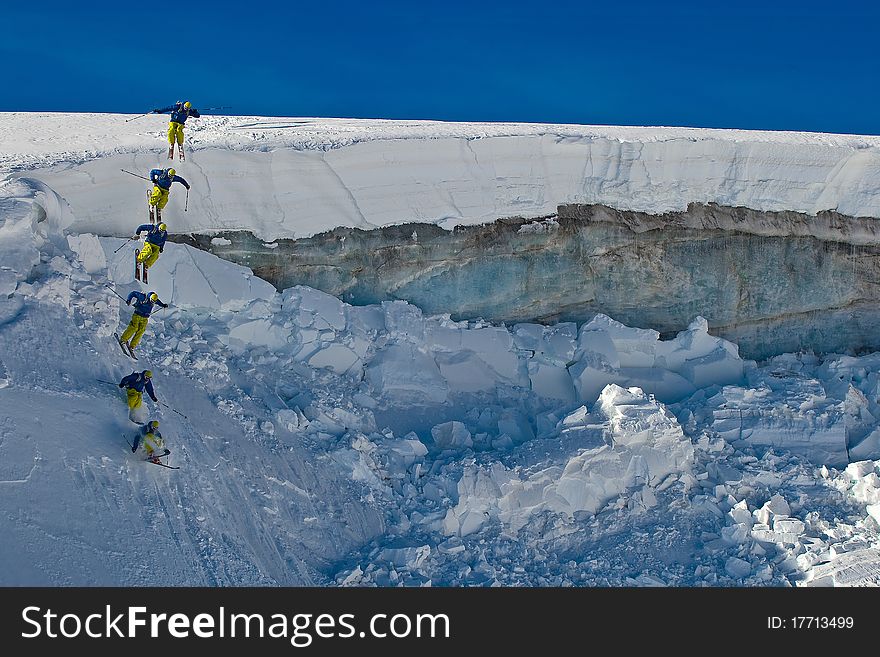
pixel 180 112
pixel 162 180
pixel 153 246
pixel 152 440
pixel 143 307
pixel 135 384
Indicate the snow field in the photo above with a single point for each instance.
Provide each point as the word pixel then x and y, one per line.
pixel 331 444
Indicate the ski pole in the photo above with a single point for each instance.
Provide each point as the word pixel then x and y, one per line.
pixel 136 117
pixel 135 175
pixel 208 109
pixel 107 382
pixel 123 244
pixel 107 285
pixel 174 409
pixel 187 199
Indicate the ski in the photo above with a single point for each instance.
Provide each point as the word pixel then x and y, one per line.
pixel 144 272
pixel 180 152
pixel 165 465
pixel 151 209
pixel 155 460
pixel 171 152
pixel 126 348
pixel 137 271
pixel 122 345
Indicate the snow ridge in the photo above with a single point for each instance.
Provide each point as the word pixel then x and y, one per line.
pixel 476 173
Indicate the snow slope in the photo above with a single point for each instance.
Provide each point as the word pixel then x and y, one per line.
pixel 286 177
pixel 323 443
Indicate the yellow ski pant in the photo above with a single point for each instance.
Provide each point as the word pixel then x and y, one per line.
pixel 159 197
pixel 153 443
pixel 148 255
pixel 135 330
pixel 134 398
pixel 175 132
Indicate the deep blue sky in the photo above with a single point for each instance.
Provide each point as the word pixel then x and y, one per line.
pixel 774 64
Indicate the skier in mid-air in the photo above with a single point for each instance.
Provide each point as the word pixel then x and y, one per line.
pixel 154 243
pixel 143 308
pixel 162 180
pixel 180 112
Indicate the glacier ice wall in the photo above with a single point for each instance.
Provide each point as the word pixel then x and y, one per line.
pixel 773 282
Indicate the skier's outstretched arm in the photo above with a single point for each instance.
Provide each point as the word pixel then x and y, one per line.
pixel 151 392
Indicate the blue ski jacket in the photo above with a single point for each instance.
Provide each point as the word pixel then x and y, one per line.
pixel 137 381
pixel 144 430
pixel 161 179
pixel 142 305
pixel 179 114
pixel 154 235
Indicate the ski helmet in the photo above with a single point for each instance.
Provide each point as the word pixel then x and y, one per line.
pixel 154 425
pixel 187 105
pixel 154 297
pixel 148 374
pixel 162 227
pixel 172 172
